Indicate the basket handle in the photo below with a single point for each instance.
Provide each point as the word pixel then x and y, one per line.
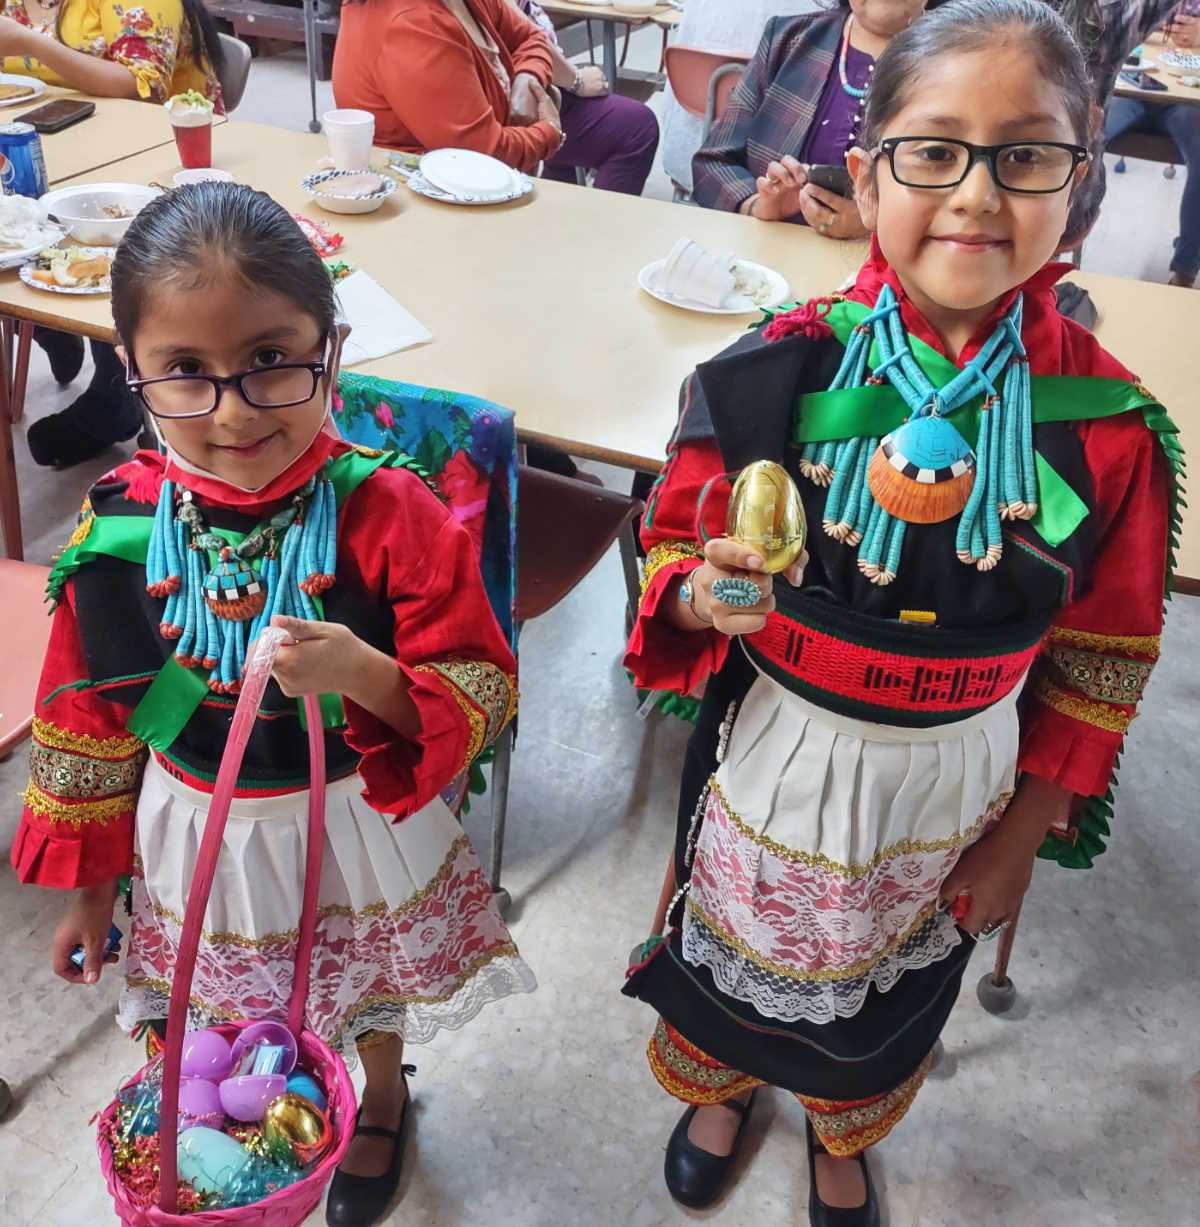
pixel 258 672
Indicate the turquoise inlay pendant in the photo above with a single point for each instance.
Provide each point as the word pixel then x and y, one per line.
pixel 923 471
pixel 232 590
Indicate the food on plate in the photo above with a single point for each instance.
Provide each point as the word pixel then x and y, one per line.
pixel 358 184
pixel 692 274
pixel 9 93
pixel 117 212
pixel 24 224
pixel 750 282
pixel 78 268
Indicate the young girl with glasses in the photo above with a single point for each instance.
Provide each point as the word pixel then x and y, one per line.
pixel 887 741
pixel 259 513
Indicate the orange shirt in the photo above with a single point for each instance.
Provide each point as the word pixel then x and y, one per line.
pixel 417 70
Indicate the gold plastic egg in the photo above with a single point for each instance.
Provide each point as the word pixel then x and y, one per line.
pixel 765 513
pixel 296 1123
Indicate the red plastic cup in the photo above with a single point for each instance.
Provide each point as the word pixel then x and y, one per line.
pixel 194 143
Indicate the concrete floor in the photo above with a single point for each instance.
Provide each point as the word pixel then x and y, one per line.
pixel 1081 1108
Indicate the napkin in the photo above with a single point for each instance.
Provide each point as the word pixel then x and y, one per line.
pixel 380 325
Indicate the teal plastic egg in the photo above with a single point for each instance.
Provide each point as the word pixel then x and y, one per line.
pixel 209 1158
pixel 306 1085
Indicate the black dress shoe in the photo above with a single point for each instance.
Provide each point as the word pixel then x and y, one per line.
pixel 821 1215
pixel 64 349
pixel 359 1201
pixel 696 1178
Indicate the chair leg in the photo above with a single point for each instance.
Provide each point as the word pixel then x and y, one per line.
pixel 995 990
pixel 10 502
pixel 16 405
pixel 629 565
pixel 500 771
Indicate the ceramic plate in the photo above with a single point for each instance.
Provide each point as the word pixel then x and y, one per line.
pixel 37 88
pixel 468 175
pixel 522 186
pixel 737 304
pixel 25 272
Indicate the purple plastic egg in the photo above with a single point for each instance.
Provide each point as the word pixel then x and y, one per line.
pixel 267 1033
pixel 200 1104
pixel 245 1098
pixel 206 1054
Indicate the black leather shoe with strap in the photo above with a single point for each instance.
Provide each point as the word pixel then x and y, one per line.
pixel 360 1201
pixel 821 1215
pixel 696 1178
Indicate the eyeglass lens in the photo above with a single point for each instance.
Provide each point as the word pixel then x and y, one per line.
pixel 1028 168
pixel 268 388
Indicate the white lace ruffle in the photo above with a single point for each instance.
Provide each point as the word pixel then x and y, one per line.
pixel 816 1001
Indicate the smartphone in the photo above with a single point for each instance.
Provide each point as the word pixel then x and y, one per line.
pixel 57 115
pixel 835 179
pixel 1143 80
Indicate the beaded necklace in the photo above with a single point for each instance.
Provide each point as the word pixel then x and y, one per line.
pixel 925 472
pixel 852 90
pixel 220 596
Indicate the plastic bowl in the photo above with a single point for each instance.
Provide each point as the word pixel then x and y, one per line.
pixel 206 1054
pixel 245 1098
pixel 81 210
pixel 267 1033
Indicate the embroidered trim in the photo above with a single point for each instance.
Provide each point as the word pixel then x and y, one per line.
pixel 1101 715
pixel 664 555
pixel 851 971
pixel 486 694
pixel 230 938
pixel 60 774
pixel 1109 679
pixel 690 1074
pixel 101 813
pixel 59 738
pixel 1139 645
pixel 903 847
pixel 83 526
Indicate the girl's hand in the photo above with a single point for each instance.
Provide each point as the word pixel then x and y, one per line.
pixel 86 923
pixel 592 82
pixel 779 190
pixel 725 559
pixel 323 659
pixel 831 215
pixel 16 39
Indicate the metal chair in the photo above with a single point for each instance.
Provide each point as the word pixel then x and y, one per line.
pixel 27 631
pixel 1146 147
pixel 235 72
pixel 702 82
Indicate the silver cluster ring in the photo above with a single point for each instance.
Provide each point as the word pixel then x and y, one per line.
pixel 991 932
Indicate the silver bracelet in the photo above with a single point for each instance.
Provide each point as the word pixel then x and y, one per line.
pixel 577 84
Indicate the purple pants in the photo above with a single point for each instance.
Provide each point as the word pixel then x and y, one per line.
pixel 614 136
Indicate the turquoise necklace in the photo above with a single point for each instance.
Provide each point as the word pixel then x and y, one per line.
pixel 852 90
pixel 924 472
pixel 220 596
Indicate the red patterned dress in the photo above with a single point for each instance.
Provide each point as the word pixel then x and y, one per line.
pixel 408 938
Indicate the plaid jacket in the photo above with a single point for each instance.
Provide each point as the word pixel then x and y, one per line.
pixel 770 110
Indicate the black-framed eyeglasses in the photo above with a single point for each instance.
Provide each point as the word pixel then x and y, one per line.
pixel 1031 167
pixel 196 396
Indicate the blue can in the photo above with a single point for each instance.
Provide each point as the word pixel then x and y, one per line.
pixel 22 166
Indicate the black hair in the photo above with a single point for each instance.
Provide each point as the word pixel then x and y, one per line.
pixel 205 41
pixel 971 25
pixel 178 237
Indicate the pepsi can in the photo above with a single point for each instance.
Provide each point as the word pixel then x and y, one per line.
pixel 22 167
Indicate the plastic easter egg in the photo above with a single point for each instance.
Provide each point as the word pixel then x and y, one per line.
pixel 246 1098
pixel 199 1104
pixel 296 1124
pixel 267 1033
pixel 206 1054
pixel 765 512
pixel 209 1159
pixel 304 1084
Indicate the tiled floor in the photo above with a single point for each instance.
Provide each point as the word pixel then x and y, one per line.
pixel 1079 1109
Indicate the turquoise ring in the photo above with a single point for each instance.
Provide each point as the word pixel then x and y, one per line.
pixel 740 593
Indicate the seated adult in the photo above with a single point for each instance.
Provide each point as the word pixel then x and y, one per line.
pixel 465 74
pixel 614 136
pixel 800 103
pixel 713 25
pixel 1181 122
pixel 109 50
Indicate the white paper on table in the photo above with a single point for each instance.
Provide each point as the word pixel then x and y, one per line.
pixel 379 324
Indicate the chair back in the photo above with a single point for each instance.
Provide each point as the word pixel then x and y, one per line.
pixel 702 81
pixel 27 632
pixel 1146 147
pixel 469 448
pixel 235 72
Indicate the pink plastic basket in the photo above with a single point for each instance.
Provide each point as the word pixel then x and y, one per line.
pixel 290 1206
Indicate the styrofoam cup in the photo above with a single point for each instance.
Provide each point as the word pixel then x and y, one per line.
pixel 350 135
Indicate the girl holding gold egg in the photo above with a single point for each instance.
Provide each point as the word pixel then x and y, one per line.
pixel 894 725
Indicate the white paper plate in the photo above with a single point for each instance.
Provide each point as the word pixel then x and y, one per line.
pixel 736 304
pixel 14 258
pixel 12 78
pixel 1180 61
pixel 468 175
pixel 25 272
pixel 522 186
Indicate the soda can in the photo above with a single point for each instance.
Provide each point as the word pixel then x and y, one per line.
pixel 22 166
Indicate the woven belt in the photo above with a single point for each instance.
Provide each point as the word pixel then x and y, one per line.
pixel 891 672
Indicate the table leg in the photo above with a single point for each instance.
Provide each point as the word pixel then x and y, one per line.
pixel 10 503
pixel 610 53
pixel 21 373
pixel 310 56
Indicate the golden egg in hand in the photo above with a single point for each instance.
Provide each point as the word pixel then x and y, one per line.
pixel 766 514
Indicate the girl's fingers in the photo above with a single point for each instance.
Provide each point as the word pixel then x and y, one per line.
pixel 298 628
pixel 795 573
pixel 722 552
pixel 91 959
pixel 744 621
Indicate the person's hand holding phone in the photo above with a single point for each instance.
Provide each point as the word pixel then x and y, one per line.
pixel 779 190
pixel 830 215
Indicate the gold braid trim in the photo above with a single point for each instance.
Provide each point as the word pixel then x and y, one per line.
pixel 1087 711
pixel 1139 645
pixel 1107 679
pixel 485 693
pixel 726 1083
pixel 100 813
pixel 58 738
pixel 664 554
pixel 83 528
